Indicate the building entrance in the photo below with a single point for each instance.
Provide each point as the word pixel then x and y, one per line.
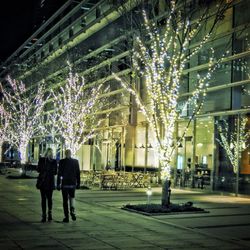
pixel 195 154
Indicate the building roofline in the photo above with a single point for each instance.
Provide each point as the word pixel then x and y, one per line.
pixel 36 32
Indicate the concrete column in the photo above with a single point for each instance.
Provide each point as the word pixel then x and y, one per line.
pixel 93 158
pixel 212 175
pixel 146 148
pixel 176 155
pixel 193 154
pixel 133 146
pixel 238 157
pixel 36 152
pixel 123 149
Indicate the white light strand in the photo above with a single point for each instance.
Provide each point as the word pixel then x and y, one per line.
pixel 228 139
pixel 160 59
pixel 5 134
pixel 75 111
pixel 25 111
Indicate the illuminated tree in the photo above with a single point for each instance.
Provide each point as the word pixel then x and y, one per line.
pixel 160 56
pixel 74 116
pixel 4 123
pixel 4 127
pixel 234 141
pixel 25 109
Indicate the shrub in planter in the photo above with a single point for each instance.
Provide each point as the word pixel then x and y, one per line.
pixel 157 208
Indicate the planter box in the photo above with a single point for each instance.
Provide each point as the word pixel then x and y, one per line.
pixel 157 209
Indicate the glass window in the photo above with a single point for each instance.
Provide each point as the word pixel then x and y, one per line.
pixel 241 15
pixel 204 152
pixel 241 69
pixel 245 96
pixel 71 32
pixel 242 40
pixel 184 84
pixel 184 154
pixel 217 100
pixel 221 47
pixel 221 75
pixel 182 106
pixel 225 174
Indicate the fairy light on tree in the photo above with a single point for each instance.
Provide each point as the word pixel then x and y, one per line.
pixel 74 116
pixel 4 128
pixel 4 123
pixel 159 57
pixel 52 139
pixel 234 142
pixel 26 113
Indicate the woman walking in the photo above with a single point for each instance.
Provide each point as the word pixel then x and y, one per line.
pixel 47 168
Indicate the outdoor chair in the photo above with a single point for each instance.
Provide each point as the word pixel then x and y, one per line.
pixel 108 181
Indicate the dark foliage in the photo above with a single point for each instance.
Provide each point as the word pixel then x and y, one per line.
pixel 157 208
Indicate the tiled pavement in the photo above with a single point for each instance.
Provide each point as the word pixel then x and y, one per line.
pixel 101 224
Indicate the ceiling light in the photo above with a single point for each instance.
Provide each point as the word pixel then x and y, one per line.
pixel 84 8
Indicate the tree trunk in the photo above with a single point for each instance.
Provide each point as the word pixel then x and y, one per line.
pixel 23 153
pixel 166 191
pixel 1 148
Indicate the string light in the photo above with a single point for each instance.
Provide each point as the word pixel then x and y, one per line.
pixel 4 125
pixel 25 113
pixel 232 144
pixel 161 61
pixel 75 111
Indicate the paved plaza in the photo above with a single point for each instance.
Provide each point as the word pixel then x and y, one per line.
pixel 101 224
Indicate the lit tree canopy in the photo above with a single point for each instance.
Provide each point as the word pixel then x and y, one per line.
pixel 232 142
pixel 25 111
pixel 160 56
pixel 74 116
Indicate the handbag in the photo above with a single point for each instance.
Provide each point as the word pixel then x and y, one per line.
pixel 40 181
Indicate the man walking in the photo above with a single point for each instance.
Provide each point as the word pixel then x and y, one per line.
pixel 68 179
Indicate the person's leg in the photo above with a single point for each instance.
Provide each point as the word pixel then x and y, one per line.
pixel 65 196
pixel 202 182
pixel 72 203
pixel 43 204
pixel 199 183
pixel 49 197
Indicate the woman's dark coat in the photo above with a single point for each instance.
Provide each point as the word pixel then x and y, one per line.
pixel 47 169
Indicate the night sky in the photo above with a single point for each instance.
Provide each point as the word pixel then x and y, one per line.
pixel 19 19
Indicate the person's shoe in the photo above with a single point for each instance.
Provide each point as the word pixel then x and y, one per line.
pixel 72 213
pixel 43 219
pixel 66 220
pixel 73 216
pixel 49 216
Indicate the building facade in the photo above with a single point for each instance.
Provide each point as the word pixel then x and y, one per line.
pixel 94 36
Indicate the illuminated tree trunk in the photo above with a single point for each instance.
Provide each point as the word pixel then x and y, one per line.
pixel 1 151
pixel 23 150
